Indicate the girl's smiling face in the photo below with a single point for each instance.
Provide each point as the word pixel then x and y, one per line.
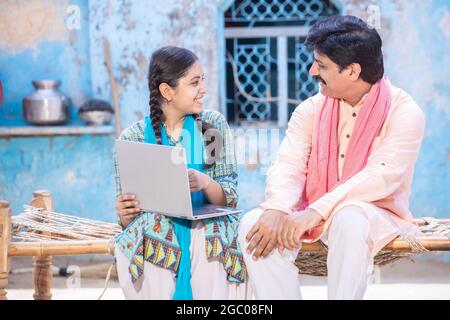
pixel 188 95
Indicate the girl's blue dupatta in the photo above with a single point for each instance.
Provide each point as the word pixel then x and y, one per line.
pixel 193 144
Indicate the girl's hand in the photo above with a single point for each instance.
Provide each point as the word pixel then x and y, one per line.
pixel 198 181
pixel 128 208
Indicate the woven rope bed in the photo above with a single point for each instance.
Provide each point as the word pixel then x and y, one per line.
pixel 41 233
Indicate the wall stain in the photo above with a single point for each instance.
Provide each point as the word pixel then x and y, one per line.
pixel 124 73
pixel 71 143
pixel 24 24
pixel 142 63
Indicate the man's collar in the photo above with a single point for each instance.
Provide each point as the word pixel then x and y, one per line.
pixel 342 102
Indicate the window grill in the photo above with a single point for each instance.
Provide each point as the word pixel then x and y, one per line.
pixel 267 63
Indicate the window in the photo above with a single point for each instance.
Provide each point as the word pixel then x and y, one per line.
pixel 267 63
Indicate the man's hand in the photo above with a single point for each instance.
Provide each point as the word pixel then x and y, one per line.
pixel 262 237
pixel 294 226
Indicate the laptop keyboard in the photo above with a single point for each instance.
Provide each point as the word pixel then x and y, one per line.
pixel 212 209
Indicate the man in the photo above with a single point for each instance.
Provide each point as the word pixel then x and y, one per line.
pixel 343 172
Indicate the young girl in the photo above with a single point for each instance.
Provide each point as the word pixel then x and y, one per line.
pixel 160 257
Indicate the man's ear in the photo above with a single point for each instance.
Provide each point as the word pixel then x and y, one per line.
pixel 354 71
pixel 166 91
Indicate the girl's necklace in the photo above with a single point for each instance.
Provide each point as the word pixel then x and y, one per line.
pixel 171 139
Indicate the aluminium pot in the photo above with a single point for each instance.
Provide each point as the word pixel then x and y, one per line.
pixel 46 105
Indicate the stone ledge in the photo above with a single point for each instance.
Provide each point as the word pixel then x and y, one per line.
pixel 31 131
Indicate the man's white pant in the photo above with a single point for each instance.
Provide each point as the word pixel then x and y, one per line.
pixel 355 235
pixel 208 278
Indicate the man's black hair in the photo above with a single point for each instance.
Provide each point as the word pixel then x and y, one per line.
pixel 346 40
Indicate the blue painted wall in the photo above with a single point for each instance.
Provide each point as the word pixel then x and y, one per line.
pixel 76 169
pixel 66 59
pixel 417 47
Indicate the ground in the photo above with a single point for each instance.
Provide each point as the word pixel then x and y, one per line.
pixel 418 278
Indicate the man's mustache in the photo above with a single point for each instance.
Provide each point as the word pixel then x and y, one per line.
pixel 319 79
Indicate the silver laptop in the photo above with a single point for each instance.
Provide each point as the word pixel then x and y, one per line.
pixel 158 176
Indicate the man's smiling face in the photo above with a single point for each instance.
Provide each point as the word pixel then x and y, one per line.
pixel 333 81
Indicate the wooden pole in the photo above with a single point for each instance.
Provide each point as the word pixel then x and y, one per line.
pixel 75 247
pixel 5 239
pixel 106 246
pixel 113 84
pixel 42 264
pixel 429 243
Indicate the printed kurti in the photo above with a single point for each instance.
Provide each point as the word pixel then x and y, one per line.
pixel 150 237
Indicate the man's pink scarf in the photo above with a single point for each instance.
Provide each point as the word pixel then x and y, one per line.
pixel 323 170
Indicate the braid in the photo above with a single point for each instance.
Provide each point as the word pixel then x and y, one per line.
pixel 155 111
pixel 204 127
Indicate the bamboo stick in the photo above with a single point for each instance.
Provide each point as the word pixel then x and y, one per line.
pixel 113 84
pixel 42 263
pixel 429 243
pixel 107 246
pixel 5 239
pixel 42 248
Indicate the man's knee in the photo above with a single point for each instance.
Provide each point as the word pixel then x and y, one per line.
pixel 349 222
pixel 248 220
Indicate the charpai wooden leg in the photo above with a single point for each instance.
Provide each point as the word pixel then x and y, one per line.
pixel 42 273
pixel 5 239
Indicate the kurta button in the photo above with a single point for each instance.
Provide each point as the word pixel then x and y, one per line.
pixel 354 114
pixel 383 164
pixel 342 156
pixel 347 136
